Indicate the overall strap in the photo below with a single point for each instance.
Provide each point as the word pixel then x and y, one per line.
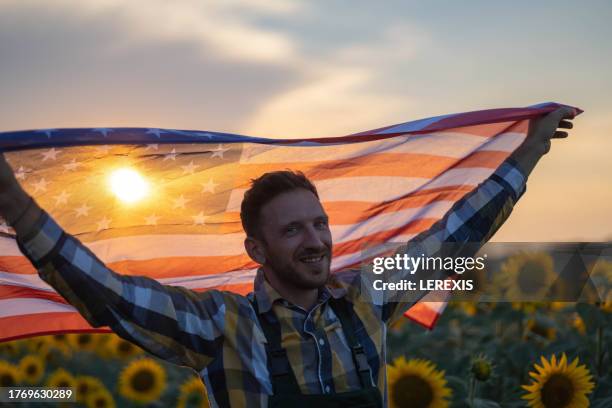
pixel 341 308
pixel 281 375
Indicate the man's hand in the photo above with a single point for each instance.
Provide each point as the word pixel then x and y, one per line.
pixel 14 200
pixel 538 140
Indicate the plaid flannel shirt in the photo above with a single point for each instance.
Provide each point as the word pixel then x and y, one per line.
pixel 217 333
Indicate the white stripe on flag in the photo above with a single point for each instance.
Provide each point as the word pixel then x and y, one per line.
pixel 443 144
pixel 26 306
pixel 29 280
pixel 381 188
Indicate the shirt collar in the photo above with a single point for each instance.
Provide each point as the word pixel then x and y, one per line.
pixel 266 295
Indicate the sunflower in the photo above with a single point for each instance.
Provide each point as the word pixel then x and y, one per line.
pixel 122 348
pixel 526 307
pixel 59 339
pixel 60 378
pixel 469 308
pixel 193 394
pixel 36 344
pixel 417 383
pixel 51 355
pixel 578 324
pixel 556 306
pixel 527 276
pixel 142 380
pixel 541 328
pixel 85 385
pixel 32 368
pixel 60 343
pixel 9 374
pixel 102 348
pixel 10 348
pixel 82 341
pixel 100 398
pixel 559 385
pixel 482 367
pixel 606 305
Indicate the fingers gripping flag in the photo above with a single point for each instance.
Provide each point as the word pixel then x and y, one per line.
pixel 166 203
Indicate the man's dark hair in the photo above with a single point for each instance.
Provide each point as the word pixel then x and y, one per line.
pixel 263 190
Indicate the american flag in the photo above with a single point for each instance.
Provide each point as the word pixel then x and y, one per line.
pixel 378 187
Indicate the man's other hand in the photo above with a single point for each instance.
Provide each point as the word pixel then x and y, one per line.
pixel 541 132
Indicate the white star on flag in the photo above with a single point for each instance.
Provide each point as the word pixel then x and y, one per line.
pixel 171 155
pixel 21 173
pixel 156 132
pixel 218 152
pixel 152 219
pixel 180 202
pixel 103 224
pixel 199 219
pixel 104 131
pixel 41 185
pixel 47 132
pixel 83 210
pixel 152 146
pixel 50 154
pixel 209 186
pixel 62 198
pixel 73 165
pixel 190 168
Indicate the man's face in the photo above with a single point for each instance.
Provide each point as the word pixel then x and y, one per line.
pixel 296 239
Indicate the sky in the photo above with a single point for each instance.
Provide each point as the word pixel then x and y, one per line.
pixel 311 69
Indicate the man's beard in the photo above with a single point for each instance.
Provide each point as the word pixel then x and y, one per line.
pixel 288 274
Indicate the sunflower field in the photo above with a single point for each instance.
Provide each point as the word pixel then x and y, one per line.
pixel 481 354
pixel 510 354
pixel 104 370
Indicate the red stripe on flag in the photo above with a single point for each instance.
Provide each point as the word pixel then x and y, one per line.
pixel 41 324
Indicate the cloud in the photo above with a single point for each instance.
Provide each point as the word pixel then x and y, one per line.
pixel 346 92
pixel 102 64
pixel 205 64
pixel 333 103
pixel 215 26
pixel 397 44
pixel 223 27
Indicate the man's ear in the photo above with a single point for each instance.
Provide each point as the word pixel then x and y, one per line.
pixel 255 249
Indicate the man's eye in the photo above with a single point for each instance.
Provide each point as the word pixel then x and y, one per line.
pixel 291 230
pixel 321 224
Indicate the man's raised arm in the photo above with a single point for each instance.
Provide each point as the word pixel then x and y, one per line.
pixel 173 323
pixel 473 220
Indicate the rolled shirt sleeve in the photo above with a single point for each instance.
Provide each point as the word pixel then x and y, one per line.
pixel 463 230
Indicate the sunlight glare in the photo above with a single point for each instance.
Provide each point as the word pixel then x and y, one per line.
pixel 128 185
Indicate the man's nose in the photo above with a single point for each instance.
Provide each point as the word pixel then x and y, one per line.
pixel 313 238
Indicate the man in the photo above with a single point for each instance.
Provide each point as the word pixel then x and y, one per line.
pixel 304 337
